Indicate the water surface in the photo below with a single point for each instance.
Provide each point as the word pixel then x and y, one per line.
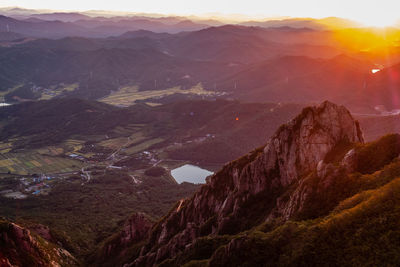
pixel 190 173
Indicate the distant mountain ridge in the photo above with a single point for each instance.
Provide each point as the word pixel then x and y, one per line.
pixel 59 25
pixel 302 23
pixel 252 63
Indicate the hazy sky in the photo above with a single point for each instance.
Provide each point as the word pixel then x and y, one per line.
pixel 367 11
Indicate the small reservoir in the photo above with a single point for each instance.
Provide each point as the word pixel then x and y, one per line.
pixel 191 174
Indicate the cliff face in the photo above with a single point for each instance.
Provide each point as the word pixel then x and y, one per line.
pixel 275 181
pixel 135 229
pixel 19 247
pixel 115 250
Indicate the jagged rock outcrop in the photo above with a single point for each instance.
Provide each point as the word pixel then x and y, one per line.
pixel 273 181
pixel 43 231
pixel 19 247
pixel 134 230
pixel 114 250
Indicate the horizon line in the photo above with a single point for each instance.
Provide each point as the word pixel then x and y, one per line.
pixel 238 17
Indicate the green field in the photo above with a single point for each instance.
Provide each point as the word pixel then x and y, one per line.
pixel 58 90
pixel 29 163
pixel 128 130
pixel 127 96
pixel 114 143
pixel 5 147
pixel 142 146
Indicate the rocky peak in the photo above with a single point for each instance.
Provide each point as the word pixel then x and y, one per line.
pixel 20 247
pixel 297 147
pixel 266 183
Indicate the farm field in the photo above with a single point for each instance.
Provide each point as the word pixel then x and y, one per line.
pixel 29 163
pixel 116 143
pixel 127 96
pixel 128 130
pixel 5 147
pixel 51 151
pixel 73 145
pixel 69 146
pixel 142 146
pixel 57 90
pixel 10 90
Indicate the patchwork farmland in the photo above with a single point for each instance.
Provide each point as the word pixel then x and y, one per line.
pixel 25 164
pixel 127 96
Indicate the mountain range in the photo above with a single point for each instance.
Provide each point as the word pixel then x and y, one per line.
pixel 275 64
pixel 132 139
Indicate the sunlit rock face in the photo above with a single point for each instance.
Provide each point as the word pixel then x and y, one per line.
pixel 20 247
pixel 270 182
pixel 298 146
